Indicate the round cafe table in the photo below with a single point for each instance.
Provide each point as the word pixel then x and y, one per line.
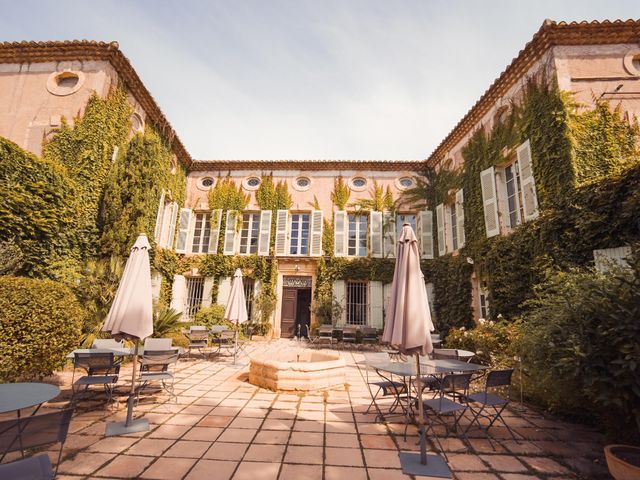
pixel 17 396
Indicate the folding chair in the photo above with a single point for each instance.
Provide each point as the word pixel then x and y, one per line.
pixel 441 406
pixel 102 369
pixel 369 335
pixel 157 344
pixel 107 343
pixel 445 354
pixel 325 334
pixel 385 387
pixel 226 340
pixel 491 405
pixel 198 338
pixel 34 431
pixel 154 367
pixel 349 335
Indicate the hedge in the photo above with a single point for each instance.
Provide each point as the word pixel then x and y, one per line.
pixel 40 322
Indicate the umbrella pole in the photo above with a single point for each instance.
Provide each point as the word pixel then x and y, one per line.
pixel 235 350
pixel 423 437
pixel 132 393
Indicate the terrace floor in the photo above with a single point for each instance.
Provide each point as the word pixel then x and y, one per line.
pixel 222 427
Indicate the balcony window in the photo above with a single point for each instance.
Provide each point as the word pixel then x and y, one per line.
pixel 249 234
pixel 201 233
pixel 299 244
pixel 358 231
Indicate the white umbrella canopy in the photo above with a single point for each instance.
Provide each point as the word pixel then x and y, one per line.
pixel 408 328
pixel 408 324
pixel 236 310
pixel 131 313
pixel 131 318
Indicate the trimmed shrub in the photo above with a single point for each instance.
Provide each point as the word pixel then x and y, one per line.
pixel 40 323
pixel 493 342
pixel 210 316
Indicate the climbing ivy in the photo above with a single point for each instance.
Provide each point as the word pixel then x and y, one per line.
pixel 274 197
pixel 86 149
pixel 38 202
pixel 577 157
pixel 226 195
pixel 340 194
pixel 142 171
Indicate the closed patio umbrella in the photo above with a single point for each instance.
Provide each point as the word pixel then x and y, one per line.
pixel 408 328
pixel 236 310
pixel 131 318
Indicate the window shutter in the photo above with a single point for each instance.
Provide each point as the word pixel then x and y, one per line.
pixel 265 232
pixel 530 206
pixel 158 230
pixel 183 230
pixel 340 233
pixel 229 247
pixel 386 296
pixel 316 233
pixel 178 291
pixel 442 238
pixel 375 232
pixel 460 217
pixel 490 201
pixel 425 222
pixel 224 289
pixel 389 226
pixel 376 297
pixel 206 292
pixel 167 236
pixel 216 221
pixel 339 296
pixel 282 224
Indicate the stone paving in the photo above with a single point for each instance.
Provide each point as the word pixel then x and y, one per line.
pixel 221 427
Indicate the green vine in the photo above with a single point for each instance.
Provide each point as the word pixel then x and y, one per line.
pixel 140 174
pixel 341 193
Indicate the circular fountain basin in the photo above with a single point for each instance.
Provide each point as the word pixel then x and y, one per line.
pixel 300 371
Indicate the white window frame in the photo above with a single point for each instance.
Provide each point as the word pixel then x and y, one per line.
pixel 298 243
pixel 453 226
pixel 512 169
pixel 360 233
pixel 253 228
pixel 200 243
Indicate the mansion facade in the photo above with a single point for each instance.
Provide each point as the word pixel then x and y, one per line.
pixel 43 83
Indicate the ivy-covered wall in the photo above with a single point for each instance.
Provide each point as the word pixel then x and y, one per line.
pixel 586 201
pixel 142 170
pixel 86 150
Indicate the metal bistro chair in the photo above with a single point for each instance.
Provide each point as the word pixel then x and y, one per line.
pixel 441 406
pixel 369 335
pixel 157 344
pixel 154 367
pixel 349 335
pixel 226 341
pixel 198 338
pixel 386 387
pixel 491 405
pixel 102 369
pixel 107 343
pixel 18 434
pixel 325 334
pixel 445 354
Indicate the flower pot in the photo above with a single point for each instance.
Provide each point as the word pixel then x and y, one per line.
pixel 623 461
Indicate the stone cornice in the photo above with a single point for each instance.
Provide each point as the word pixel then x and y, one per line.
pixel 318 165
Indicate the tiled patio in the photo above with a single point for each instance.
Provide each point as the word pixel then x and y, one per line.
pixel 224 428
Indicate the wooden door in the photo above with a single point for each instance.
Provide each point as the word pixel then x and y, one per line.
pixel 288 318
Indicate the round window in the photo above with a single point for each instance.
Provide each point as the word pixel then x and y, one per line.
pixel 406 182
pixel 207 182
pixel 64 83
pixel 359 182
pixel 253 181
pixel 303 182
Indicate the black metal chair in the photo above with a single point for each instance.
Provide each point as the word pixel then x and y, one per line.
pixel 489 405
pixel 101 368
pixel 23 433
pixel 386 387
pixel 441 406
pixel 325 334
pixel 369 335
pixel 445 354
pixel 155 367
pixel 198 339
pixel 349 335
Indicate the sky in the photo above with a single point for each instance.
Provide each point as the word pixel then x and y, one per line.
pixel 302 79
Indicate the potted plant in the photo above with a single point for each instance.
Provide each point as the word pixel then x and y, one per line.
pixel 623 461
